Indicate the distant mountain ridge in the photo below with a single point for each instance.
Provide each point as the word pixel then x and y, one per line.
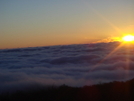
pixel 113 91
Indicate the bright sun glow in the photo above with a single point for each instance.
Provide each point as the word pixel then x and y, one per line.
pixel 128 38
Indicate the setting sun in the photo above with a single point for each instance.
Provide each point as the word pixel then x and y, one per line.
pixel 128 38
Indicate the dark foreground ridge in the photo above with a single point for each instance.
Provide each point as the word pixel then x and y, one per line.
pixel 114 91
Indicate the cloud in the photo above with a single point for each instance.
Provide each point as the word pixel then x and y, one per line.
pixel 74 65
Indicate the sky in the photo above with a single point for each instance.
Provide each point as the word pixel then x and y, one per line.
pixel 30 23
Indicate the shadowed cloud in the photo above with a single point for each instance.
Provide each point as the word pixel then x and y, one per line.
pixel 74 65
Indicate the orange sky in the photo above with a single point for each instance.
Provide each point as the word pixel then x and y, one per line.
pixel 42 23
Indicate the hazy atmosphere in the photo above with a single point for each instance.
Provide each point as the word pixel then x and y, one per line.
pixel 66 50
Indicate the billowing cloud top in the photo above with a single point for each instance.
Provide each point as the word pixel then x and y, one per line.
pixel 73 65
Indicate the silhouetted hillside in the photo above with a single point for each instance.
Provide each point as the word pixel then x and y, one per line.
pixel 114 91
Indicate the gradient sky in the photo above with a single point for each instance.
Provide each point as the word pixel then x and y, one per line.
pixel 29 23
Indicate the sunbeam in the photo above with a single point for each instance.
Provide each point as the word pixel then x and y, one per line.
pixel 99 63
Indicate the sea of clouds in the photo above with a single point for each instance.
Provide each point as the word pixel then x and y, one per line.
pixel 73 65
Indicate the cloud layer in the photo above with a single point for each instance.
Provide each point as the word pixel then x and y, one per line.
pixel 74 65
